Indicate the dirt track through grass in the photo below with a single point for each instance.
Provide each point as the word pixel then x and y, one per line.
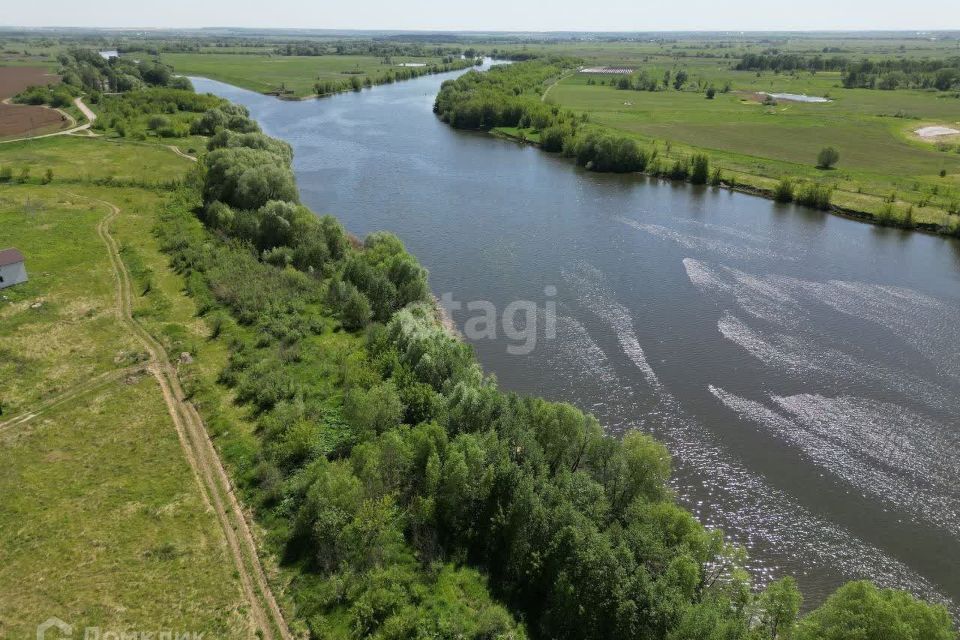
pixel 197 447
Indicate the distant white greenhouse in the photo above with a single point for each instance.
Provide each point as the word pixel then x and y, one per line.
pixel 624 71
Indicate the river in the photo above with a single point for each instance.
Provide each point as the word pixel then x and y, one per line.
pixel 802 368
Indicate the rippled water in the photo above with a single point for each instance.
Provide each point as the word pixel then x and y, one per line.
pixel 802 368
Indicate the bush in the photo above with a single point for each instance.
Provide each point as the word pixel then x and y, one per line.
pixel 859 609
pixel 827 158
pixel 716 178
pixel 813 195
pixel 680 170
pixel 602 152
pixel 157 122
pixel 700 169
pixel 552 139
pixel 6 174
pixel 783 191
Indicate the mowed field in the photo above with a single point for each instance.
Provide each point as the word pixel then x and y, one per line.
pixel 269 73
pixel 873 130
pixel 103 522
pixel 23 120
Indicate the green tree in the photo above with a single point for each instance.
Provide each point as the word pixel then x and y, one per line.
pixel 779 605
pixel 861 611
pixel 374 410
pixel 356 312
pixel 827 158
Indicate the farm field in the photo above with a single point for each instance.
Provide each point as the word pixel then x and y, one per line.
pixel 20 120
pixel 757 144
pixel 294 74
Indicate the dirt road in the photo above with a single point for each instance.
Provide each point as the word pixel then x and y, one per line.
pixel 198 448
pixel 201 454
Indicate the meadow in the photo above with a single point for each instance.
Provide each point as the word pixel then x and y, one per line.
pixel 295 76
pixel 103 522
pixel 883 164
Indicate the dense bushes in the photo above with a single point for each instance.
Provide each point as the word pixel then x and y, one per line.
pixel 56 96
pixel 604 152
pixel 860 610
pixel 87 70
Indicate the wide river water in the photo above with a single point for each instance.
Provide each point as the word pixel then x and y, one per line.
pixel 803 369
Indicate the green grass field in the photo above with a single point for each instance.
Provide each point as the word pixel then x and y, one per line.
pixel 82 159
pixel 271 73
pixel 103 523
pixel 872 129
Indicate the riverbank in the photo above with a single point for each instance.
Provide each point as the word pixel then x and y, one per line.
pixel 602 137
pixel 304 77
pixel 532 138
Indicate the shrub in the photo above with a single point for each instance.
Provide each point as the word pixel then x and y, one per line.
pixel 860 609
pixel 6 174
pixel 680 170
pixel 700 169
pixel 827 158
pixel 783 191
pixel 716 179
pixel 552 139
pixel 813 195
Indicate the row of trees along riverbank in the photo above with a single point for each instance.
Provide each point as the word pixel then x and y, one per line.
pixel 406 493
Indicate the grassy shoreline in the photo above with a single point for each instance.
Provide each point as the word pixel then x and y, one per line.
pixel 531 138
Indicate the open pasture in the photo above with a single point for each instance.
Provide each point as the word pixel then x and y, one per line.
pixel 874 130
pixel 294 74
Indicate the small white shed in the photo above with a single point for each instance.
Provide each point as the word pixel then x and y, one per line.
pixel 12 269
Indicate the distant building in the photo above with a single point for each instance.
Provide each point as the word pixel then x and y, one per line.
pixel 12 269
pixel 621 71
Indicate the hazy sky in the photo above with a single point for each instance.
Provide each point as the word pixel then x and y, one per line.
pixel 504 15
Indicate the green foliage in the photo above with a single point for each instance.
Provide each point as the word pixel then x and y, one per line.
pixel 87 70
pixel 247 178
pixel 784 190
pixel 716 178
pixel 604 152
pixel 392 470
pixel 812 194
pixel 699 169
pixel 827 158
pixel 861 611
pixel 779 606
pixel 58 96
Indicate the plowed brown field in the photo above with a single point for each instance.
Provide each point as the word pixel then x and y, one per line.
pixel 13 80
pixel 23 120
